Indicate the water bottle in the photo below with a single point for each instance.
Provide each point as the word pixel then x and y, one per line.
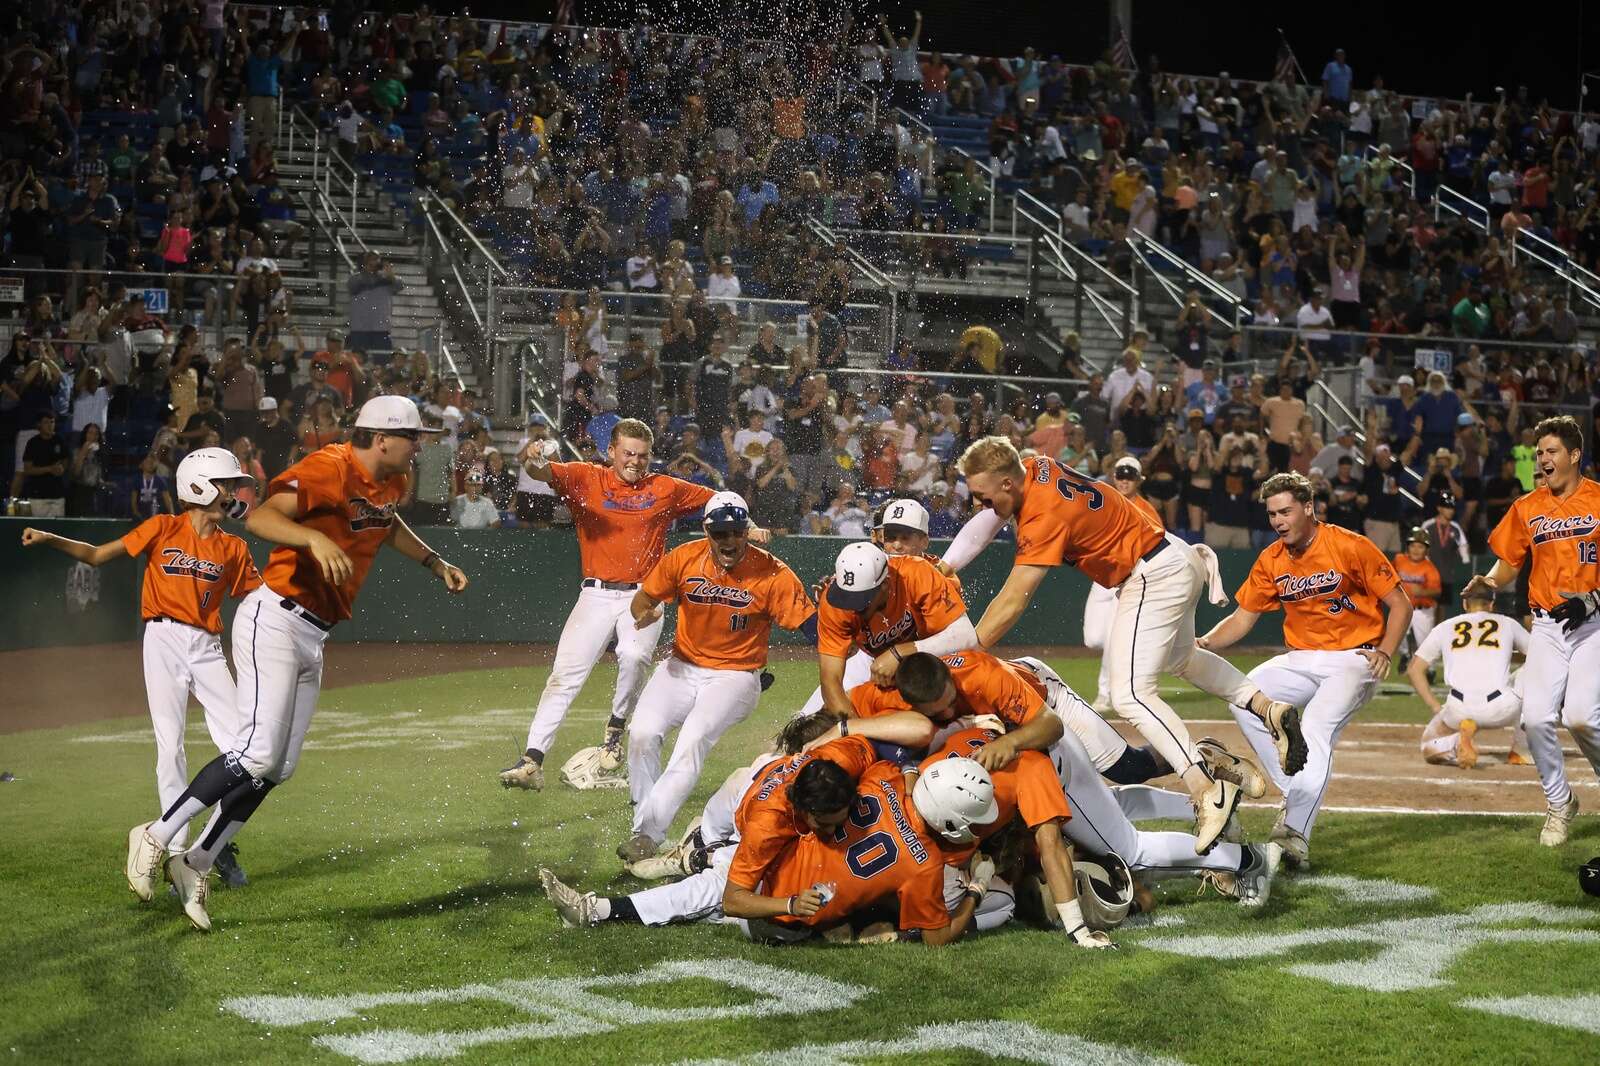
pixel 827 890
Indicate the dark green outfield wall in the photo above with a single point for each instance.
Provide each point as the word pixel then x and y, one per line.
pixel 523 585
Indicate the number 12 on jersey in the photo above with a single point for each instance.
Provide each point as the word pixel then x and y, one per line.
pixel 1588 552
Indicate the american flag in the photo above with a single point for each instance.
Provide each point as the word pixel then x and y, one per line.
pixel 1287 69
pixel 1121 50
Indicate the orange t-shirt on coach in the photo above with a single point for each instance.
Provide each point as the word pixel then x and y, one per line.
pixel 765 818
pixel 622 528
pixel 339 499
pixel 1561 537
pixel 1329 594
pixel 984 684
pixel 726 616
pixel 186 577
pixel 922 601
pixel 1067 518
pixel 883 849
pixel 1416 575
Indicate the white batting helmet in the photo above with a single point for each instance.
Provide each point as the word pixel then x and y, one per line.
pixel 726 511
pixel 201 469
pixel 1105 890
pixel 859 570
pixel 954 795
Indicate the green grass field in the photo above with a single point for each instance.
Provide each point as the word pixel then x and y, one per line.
pixel 394 915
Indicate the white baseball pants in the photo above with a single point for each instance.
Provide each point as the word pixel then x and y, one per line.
pixel 1098 613
pixel 179 659
pixel 1153 633
pixel 597 617
pixel 1422 621
pixel 697 897
pixel 705 704
pixel 857 671
pixel 1104 744
pixel 278 656
pixel 1503 710
pixel 1329 687
pixel 1561 687
pixel 1098 824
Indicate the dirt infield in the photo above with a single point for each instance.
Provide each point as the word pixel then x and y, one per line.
pixel 1378 768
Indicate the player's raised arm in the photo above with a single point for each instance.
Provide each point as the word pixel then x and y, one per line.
pixel 93 554
pixel 979 531
pixel 1007 607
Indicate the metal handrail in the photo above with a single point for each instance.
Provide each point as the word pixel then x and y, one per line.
pixel 322 224
pixel 877 277
pixel 1109 312
pixel 430 198
pixel 1056 230
pixel 984 168
pixel 1190 271
pixel 1400 164
pixel 1562 265
pixel 335 213
pixel 1170 287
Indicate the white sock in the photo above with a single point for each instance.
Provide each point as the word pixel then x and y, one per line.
pixel 1071 915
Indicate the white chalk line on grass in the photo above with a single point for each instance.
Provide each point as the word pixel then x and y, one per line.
pixel 1433 811
pixel 1464 781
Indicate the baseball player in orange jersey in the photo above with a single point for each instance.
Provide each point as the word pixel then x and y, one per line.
pixel 329 514
pixel 1557 527
pixel 899 527
pixel 973 683
pixel 1483 693
pixel 1421 580
pixel 889 607
pixel 1330 584
pixel 729 594
pixel 191 565
pixel 1064 517
pixel 1101 608
pixel 621 515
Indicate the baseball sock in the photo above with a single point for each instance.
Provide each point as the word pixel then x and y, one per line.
pixel 536 755
pixel 225 823
pixel 617 909
pixel 616 722
pixel 1441 747
pixel 216 779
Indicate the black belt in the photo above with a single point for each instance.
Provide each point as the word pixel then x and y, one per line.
pixel 1539 612
pixel 294 608
pixel 1160 547
pixel 610 586
pixel 1490 698
pixel 174 621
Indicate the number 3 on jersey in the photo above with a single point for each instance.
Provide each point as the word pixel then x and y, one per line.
pixel 1069 483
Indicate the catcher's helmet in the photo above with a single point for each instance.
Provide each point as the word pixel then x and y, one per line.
pixel 1589 876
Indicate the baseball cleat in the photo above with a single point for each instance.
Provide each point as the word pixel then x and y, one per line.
pixel 194 888
pixel 1230 767
pixel 1557 822
pixel 229 873
pixel 144 861
pixel 638 847
pixel 1233 832
pixel 1516 758
pixel 1211 814
pixel 1283 722
pixel 1466 751
pixel 1296 848
pixel 575 908
pixel 669 864
pixel 527 773
pixel 1252 885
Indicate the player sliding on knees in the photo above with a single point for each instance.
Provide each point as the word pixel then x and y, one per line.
pixel 621 514
pixel 1063 517
pixel 1557 527
pixel 328 515
pixel 1482 691
pixel 1330 584
pixel 193 564
pixel 729 594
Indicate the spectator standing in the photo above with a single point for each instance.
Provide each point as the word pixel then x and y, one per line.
pixel 242 392
pixel 711 391
pixel 274 437
pixel 305 396
pixel 152 493
pixel 87 475
pixel 372 293
pixel 777 501
pixel 1124 380
pixel 1337 78
pixel 535 500
pixel 263 71
pixel 906 86
pixel 472 509
pixel 723 285
pixel 1282 414
pixel 44 469
pixel 636 384
pixel 805 425
pixel 826 340
pixel 1447 545
pixel 1346 501
pixel 1381 487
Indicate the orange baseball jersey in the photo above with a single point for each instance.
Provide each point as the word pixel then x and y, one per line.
pixel 767 822
pixel 622 528
pixel 1145 507
pixel 1027 785
pixel 984 684
pixel 1067 518
pixel 921 602
pixel 338 499
pixel 1416 576
pixel 883 849
pixel 1329 594
pixel 1561 537
pixel 726 616
pixel 187 577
